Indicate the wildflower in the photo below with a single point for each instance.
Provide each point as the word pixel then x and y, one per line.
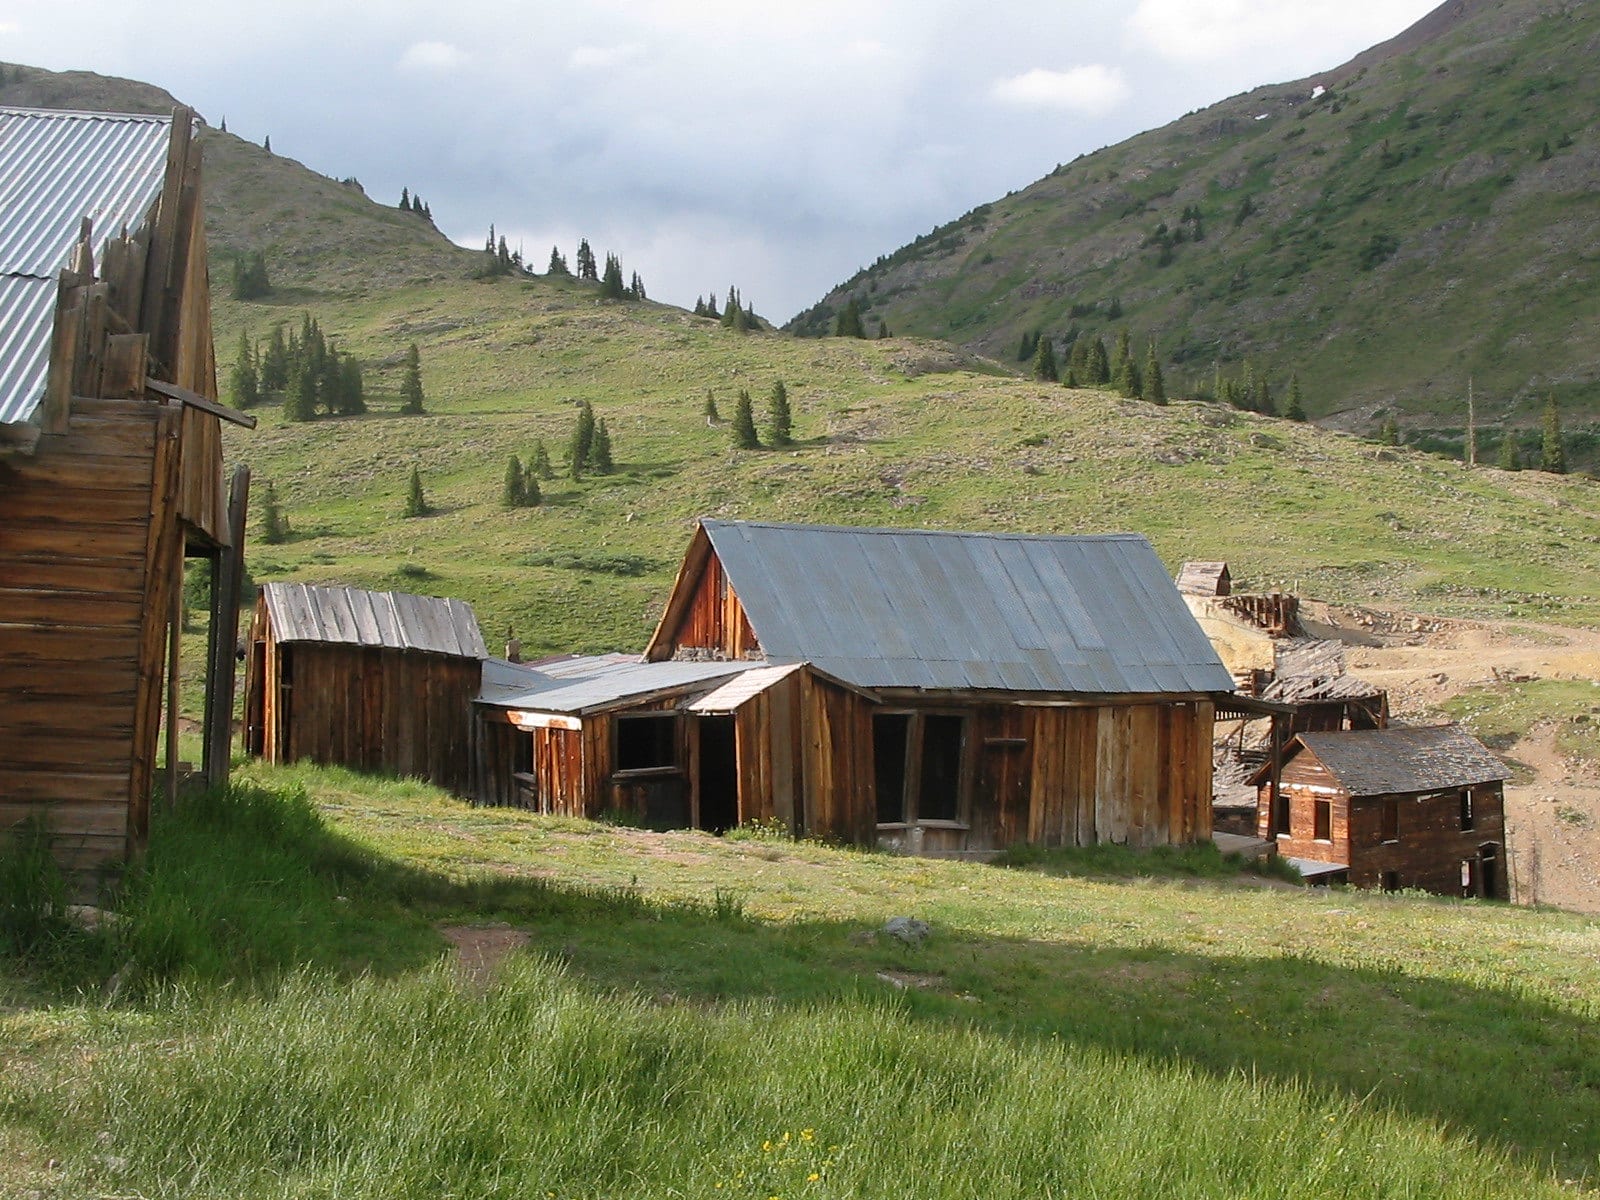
pixel 813 1177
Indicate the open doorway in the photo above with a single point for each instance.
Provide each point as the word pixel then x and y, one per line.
pixel 719 774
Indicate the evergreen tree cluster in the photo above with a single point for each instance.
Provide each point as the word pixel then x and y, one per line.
pixel 848 323
pixel 1252 392
pixel 589 449
pixel 610 278
pixel 779 419
pixel 410 202
pixel 312 376
pixel 499 259
pixel 250 280
pixel 735 314
pixel 521 489
pixel 1552 446
pixel 274 524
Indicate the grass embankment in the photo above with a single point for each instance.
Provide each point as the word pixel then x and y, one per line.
pixel 688 1001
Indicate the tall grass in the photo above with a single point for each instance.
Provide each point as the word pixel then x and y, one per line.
pixel 422 1086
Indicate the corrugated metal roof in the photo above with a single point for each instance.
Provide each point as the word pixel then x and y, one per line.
pixel 55 169
pixel 584 685
pixel 348 616
pixel 742 688
pixel 897 608
pixel 1378 762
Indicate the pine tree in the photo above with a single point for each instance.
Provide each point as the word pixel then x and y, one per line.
pixel 1389 432
pixel 883 330
pixel 531 493
pixel 502 256
pixel 713 417
pixel 250 280
pixel 301 404
pixel 1044 361
pixel 586 264
pixel 275 362
pixel 780 420
pixel 514 491
pixel 599 459
pixel 744 424
pixel 711 306
pixel 1264 402
pixel 582 440
pixel 274 525
pixel 558 264
pixel 266 143
pixel 733 309
pixel 611 285
pixel 539 465
pixel 636 288
pixel 244 381
pixel 1098 369
pixel 1510 457
pixel 352 387
pixel 1028 346
pixel 1153 387
pixel 405 199
pixel 699 307
pixel 411 398
pixel 1114 309
pixel 848 322
pixel 416 503
pixel 1295 409
pixel 1552 449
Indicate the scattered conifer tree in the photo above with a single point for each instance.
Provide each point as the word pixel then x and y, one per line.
pixel 780 420
pixel 416 503
pixel 713 417
pixel 636 288
pixel 266 143
pixel 1389 432
pixel 1044 361
pixel 1263 402
pixel 405 199
pixel 848 322
pixel 1294 409
pixel 1070 379
pixel 699 306
pixel 244 381
pixel 587 268
pixel 582 439
pixel 274 525
pixel 599 459
pixel 411 397
pixel 744 424
pixel 1153 387
pixel 301 404
pixel 711 307
pixel 1510 457
pixel 1028 346
pixel 1098 371
pixel 611 285
pixel 1114 309
pixel 558 264
pixel 883 330
pixel 532 495
pixel 514 491
pixel 275 362
pixel 351 391
pixel 1552 448
pixel 250 280
pixel 539 466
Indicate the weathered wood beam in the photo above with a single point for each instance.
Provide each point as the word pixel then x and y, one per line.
pixel 195 400
pixel 227 576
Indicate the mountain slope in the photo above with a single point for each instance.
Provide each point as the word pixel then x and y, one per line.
pixel 1429 217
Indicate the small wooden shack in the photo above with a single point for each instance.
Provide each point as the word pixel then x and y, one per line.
pixel 375 681
pixel 1393 808
pixel 110 472
pixel 961 692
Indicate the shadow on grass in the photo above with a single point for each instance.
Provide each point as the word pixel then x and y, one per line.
pixel 244 888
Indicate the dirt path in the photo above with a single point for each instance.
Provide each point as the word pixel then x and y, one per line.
pixel 1553 820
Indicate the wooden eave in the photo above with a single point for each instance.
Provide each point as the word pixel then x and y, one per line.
pixel 683 588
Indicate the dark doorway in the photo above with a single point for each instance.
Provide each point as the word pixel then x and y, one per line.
pixel 1489 871
pixel 719 775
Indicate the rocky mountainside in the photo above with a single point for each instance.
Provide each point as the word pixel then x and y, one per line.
pixel 1423 216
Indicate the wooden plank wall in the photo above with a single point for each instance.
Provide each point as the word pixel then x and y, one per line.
pixel 714 619
pixel 771 759
pixel 837 754
pixel 85 585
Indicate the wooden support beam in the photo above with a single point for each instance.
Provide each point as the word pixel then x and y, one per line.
pixel 227 576
pixel 195 400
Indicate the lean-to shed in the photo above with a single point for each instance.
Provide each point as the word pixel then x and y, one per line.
pixel 110 471
pixel 961 691
pixel 375 681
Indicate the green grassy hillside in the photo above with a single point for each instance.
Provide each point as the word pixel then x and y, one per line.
pixel 702 1016
pixel 1431 217
pixel 893 432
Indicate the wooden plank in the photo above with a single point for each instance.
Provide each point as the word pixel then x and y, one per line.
pixel 41 607
pixel 123 372
pixel 72 749
pixel 57 405
pixel 56 786
pixel 194 400
pixel 164 228
pixel 67 818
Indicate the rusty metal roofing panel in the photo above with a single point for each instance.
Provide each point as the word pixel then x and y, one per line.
pixel 57 168
pixel 587 685
pixel 302 612
pixel 1400 760
pixel 896 608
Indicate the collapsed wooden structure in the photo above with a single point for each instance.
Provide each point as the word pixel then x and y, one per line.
pixel 376 681
pixel 111 472
pixel 1419 807
pixel 938 693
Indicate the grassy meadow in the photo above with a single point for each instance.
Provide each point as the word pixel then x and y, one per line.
pixel 893 432
pixel 701 1016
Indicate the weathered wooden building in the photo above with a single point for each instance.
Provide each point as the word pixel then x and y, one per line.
pixel 1392 808
pixel 375 681
pixel 949 693
pixel 110 470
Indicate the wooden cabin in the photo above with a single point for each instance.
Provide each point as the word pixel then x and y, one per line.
pixel 374 681
pixel 110 473
pixel 1205 579
pixel 1392 808
pixel 960 692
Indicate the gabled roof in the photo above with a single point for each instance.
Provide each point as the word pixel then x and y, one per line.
pixel 57 168
pixel 1400 760
pixel 1204 579
pixel 1313 669
pixel 387 620
pixel 938 611
pixel 578 686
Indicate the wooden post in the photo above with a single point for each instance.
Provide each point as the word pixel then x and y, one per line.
pixel 227 576
pixel 174 637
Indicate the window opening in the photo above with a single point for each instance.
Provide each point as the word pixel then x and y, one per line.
pixel 648 742
pixel 1390 831
pixel 939 796
pixel 1322 819
pixel 891 735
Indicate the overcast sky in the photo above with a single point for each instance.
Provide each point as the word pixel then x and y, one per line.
pixel 778 147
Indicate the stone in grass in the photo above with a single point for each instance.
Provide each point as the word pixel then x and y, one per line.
pixel 907 929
